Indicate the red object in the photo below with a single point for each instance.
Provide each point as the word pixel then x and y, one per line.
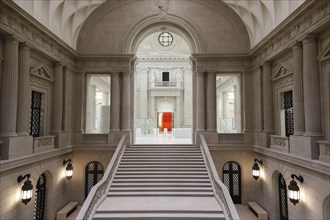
pixel 167 121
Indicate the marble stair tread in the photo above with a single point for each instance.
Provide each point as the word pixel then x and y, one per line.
pixel 155 189
pixel 161 193
pixel 159 216
pixel 161 176
pixel 163 180
pixel 192 184
pixel 158 203
pixel 176 169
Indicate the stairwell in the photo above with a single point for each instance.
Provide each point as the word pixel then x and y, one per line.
pixel 160 182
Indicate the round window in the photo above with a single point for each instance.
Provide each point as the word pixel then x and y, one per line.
pixel 165 39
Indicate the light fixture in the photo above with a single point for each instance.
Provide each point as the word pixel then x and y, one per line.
pixel 256 169
pixel 68 169
pixel 27 188
pixel 294 190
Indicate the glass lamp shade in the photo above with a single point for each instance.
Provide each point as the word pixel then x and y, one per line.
pixel 255 171
pixel 294 192
pixel 26 193
pixel 69 171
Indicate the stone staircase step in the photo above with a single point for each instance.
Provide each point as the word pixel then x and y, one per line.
pixel 160 180
pixel 114 185
pixel 161 163
pixel 163 193
pixel 160 169
pixel 161 176
pixel 159 216
pixel 162 156
pixel 161 189
pixel 161 166
pixel 161 172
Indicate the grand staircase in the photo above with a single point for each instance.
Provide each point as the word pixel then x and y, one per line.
pixel 160 182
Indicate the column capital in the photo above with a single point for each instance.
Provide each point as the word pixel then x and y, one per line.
pixel 24 46
pixel 266 63
pixel 297 44
pixel 201 73
pixel 309 38
pixel 57 63
pixel 126 73
pixel 10 39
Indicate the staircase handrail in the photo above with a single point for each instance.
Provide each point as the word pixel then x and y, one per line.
pixel 99 191
pixel 221 192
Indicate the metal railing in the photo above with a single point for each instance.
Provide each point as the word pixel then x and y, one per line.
pixel 99 191
pixel 220 190
pixel 165 84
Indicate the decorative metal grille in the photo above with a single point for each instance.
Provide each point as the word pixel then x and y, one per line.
pixel 288 106
pixel 165 39
pixel 232 179
pixel 40 198
pixel 94 173
pixel 283 198
pixel 35 114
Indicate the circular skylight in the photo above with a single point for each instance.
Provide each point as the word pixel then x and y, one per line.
pixel 165 39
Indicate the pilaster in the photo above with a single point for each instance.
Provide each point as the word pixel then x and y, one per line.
pixel 57 99
pixel 268 120
pixel 24 96
pixel 9 88
pixel 126 91
pixel 298 90
pixel 311 83
pixel 211 102
pixel 115 102
pixel 200 101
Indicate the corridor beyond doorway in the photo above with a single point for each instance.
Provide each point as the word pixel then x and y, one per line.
pixel 163 91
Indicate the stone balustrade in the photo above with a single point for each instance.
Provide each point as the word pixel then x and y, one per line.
pixel 279 143
pixel 44 143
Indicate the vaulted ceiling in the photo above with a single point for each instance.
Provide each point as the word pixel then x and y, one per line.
pixel 66 17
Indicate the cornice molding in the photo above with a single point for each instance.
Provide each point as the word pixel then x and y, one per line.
pixel 308 18
pixel 17 22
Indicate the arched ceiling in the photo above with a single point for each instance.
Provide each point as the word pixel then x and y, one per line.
pixel 66 17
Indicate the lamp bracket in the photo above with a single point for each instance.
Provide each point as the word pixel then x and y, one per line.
pixel 300 178
pixel 66 161
pixel 256 160
pixel 20 177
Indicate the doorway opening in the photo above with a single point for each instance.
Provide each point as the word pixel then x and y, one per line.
pixel 163 94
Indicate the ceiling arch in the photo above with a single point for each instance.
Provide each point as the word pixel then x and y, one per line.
pixel 66 17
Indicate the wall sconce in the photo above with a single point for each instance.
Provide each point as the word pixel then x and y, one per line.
pixel 68 169
pixel 256 169
pixel 27 188
pixel 294 190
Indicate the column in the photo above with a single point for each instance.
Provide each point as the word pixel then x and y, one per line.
pixel 268 120
pixel 178 117
pixel 9 90
pixel 24 96
pixel 152 107
pixel 57 99
pixel 200 102
pixel 115 102
pixel 298 90
pixel 311 79
pixel 211 113
pixel 125 116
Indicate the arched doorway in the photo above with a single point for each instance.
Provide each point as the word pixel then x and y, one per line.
pixel 40 198
pixel 283 200
pixel 93 174
pixel 163 89
pixel 232 179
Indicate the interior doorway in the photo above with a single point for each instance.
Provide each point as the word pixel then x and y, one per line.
pixel 163 90
pixel 165 121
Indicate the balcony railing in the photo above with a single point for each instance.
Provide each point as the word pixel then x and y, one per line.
pixel 166 84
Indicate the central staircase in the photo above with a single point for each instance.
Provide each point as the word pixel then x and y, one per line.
pixel 160 182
